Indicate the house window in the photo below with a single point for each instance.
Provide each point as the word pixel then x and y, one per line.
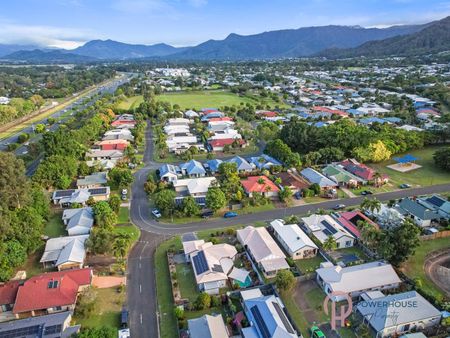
pixel 348 244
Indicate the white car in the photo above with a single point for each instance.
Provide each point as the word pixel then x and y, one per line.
pixel 156 213
pixel 124 191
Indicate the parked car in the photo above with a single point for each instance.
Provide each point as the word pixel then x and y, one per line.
pixel 207 214
pixel 339 207
pixel 156 213
pixel 317 333
pixel 298 195
pixel 366 192
pixel 124 191
pixel 230 214
pixel 405 186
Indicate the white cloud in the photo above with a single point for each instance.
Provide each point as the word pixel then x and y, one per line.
pixel 45 36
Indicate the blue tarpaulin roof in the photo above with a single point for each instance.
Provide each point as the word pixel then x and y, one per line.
pixel 406 159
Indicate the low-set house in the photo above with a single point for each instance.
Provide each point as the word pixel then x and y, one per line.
pixel 386 216
pixel 95 180
pixel 54 325
pixel 366 173
pixel 242 164
pixel 67 197
pixel 324 226
pixel 51 292
pixel 212 264
pixel 357 279
pixel 169 172
pixel 8 293
pixel 338 174
pixel 266 315
pixel 207 326
pixel 219 144
pixel 107 159
pixel 264 162
pixel 65 252
pixel 314 177
pixel 420 214
pixel 295 182
pixel 350 220
pixel 260 184
pixel 78 221
pixel 294 241
pixel 213 165
pixel 122 134
pixel 263 250
pixel 437 203
pixel 193 168
pixel 398 314
pixel 117 144
pixel 195 187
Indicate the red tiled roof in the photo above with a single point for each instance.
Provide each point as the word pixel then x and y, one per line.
pixel 251 184
pixel 116 141
pixel 8 292
pixel 359 170
pixel 35 293
pixel 330 111
pixel 268 114
pixel 209 111
pixel 219 119
pixel 349 220
pixel 118 122
pixel 225 141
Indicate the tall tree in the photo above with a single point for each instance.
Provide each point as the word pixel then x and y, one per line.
pixel 14 186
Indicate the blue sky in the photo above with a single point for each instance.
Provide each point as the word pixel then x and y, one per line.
pixel 69 23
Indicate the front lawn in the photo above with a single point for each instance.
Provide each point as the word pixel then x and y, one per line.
pixel 124 213
pixel 55 226
pixel 413 268
pixel 429 174
pixel 130 229
pixel 108 306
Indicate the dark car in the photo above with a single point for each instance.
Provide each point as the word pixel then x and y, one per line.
pixel 339 207
pixel 207 214
pixel 366 192
pixel 230 214
pixel 405 186
pixel 298 195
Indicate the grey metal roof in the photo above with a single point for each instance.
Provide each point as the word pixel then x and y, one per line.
pixel 65 249
pixel 315 177
pixel 95 178
pixel 207 327
pixel 416 209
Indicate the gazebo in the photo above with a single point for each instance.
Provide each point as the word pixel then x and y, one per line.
pixel 405 163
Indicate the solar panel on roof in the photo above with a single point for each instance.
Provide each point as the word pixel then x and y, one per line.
pixel 200 263
pixel 327 232
pixel 64 193
pixel 330 228
pixel 260 322
pixel 435 201
pixel 283 318
pixel 97 191
pixel 21 332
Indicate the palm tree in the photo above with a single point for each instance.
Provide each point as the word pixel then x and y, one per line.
pixel 371 204
pixel 120 247
pixel 330 244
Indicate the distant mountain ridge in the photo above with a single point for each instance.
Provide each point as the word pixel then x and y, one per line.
pixel 434 38
pixel 329 41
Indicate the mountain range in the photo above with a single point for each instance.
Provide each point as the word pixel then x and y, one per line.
pixel 329 41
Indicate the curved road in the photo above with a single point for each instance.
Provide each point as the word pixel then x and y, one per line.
pixel 142 302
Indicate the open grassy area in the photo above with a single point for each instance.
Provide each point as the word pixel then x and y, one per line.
pixel 310 264
pixel 131 102
pixel 108 307
pixel 413 268
pixel 429 174
pixel 55 226
pixel 128 229
pixel 186 282
pixel 168 322
pixel 295 313
pixel 212 99
pixel 124 215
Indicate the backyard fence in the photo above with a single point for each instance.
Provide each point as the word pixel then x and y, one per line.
pixel 440 234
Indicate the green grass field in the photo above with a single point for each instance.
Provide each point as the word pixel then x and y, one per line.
pixel 429 174
pixel 55 226
pixel 413 268
pixel 131 102
pixel 186 282
pixel 212 99
pixel 124 213
pixel 309 264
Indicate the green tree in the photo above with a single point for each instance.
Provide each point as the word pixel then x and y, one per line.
pixel 215 199
pixel 190 206
pixel 114 202
pixel 104 215
pixel 442 158
pixel 203 301
pixel 120 247
pixel 371 204
pixel 100 241
pixel 14 186
pixel 165 201
pixel 97 332
pixel 285 195
pixel 39 128
pixel 284 280
pixel 330 244
pixel 121 176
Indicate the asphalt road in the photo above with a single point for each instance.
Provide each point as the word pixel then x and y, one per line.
pixel 142 303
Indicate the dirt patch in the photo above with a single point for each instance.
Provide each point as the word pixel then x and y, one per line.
pixel 299 295
pixel 436 268
pixel 103 282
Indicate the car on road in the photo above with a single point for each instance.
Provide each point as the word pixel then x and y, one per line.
pixel 317 333
pixel 339 207
pixel 366 192
pixel 207 214
pixel 230 214
pixel 405 186
pixel 156 213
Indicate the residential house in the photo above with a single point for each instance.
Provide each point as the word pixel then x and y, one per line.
pixel 117 144
pixel 436 203
pixel 266 315
pixel 260 184
pixel 95 180
pixel 357 279
pixel 264 162
pixel 190 114
pixel 219 144
pixel 324 226
pixel 169 172
pixel 193 168
pixel 350 221
pixel 241 164
pixel 8 293
pixel 190 247
pixel 420 214
pixel 294 241
pixel 122 134
pixel 68 197
pixel 78 221
pixel 314 177
pixel 194 187
pixel 51 292
pixel 103 157
pixel 212 264
pixel 213 166
pixel 65 252
pixel 178 144
pixel 397 314
pixel 342 177
pixel 207 326
pixel 295 182
pixel 386 216
pixel 4 100
pixel 263 250
pixel 53 325
pixel 366 173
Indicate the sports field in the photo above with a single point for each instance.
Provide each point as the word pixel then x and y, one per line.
pixel 212 99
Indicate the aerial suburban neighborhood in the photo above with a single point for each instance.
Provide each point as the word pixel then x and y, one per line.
pixel 291 183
